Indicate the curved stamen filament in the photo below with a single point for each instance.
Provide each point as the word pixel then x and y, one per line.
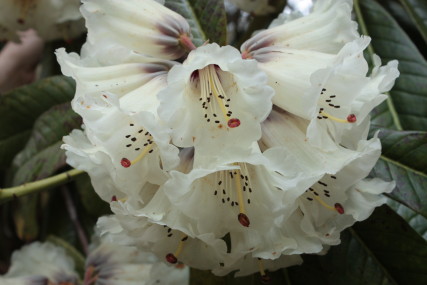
pixel 211 86
pixel 337 207
pixel 264 277
pixel 127 163
pixel 350 118
pixel 215 90
pixel 242 217
pixel 173 257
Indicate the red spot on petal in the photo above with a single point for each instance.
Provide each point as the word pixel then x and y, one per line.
pixel 233 123
pixel 339 208
pixel 171 258
pixel 265 279
pixel 244 220
pixel 351 118
pixel 125 162
pixel 114 198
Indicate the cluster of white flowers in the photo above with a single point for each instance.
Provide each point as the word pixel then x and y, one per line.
pixel 48 264
pixel 52 19
pixel 224 159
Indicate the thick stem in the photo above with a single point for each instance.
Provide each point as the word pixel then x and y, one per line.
pixel 7 194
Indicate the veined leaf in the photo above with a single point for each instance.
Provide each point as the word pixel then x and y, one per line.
pixel 382 250
pixel 396 246
pixel 207 19
pixel 417 9
pixel 407 105
pixel 403 160
pixel 415 220
pixel 22 106
pixel 42 155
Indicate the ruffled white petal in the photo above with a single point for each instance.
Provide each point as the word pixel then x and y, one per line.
pixel 130 225
pixel 338 201
pixel 326 29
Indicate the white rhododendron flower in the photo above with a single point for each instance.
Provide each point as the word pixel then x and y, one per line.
pixel 333 91
pixel 215 99
pixel 145 27
pixel 110 263
pixel 129 226
pixel 41 263
pixel 52 19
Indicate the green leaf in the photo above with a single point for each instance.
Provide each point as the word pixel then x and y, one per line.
pixel 396 246
pixel 382 250
pixel 417 9
pixel 207 19
pixel 22 106
pixel 407 104
pixel 42 155
pixel 403 160
pixel 415 220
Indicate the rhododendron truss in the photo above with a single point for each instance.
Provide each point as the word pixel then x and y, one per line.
pixel 220 159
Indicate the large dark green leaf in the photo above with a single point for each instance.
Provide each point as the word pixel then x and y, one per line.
pixel 42 156
pixel 415 220
pixel 409 96
pixel 207 19
pixel 381 250
pixel 22 106
pixel 403 160
pixel 417 9
pixel 396 246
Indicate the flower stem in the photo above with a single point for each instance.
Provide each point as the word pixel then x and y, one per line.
pixel 371 52
pixel 75 219
pixel 7 194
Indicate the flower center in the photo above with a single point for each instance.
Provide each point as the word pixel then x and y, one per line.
pixel 328 104
pixel 213 98
pixel 233 186
pixel 312 194
pixel 141 142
